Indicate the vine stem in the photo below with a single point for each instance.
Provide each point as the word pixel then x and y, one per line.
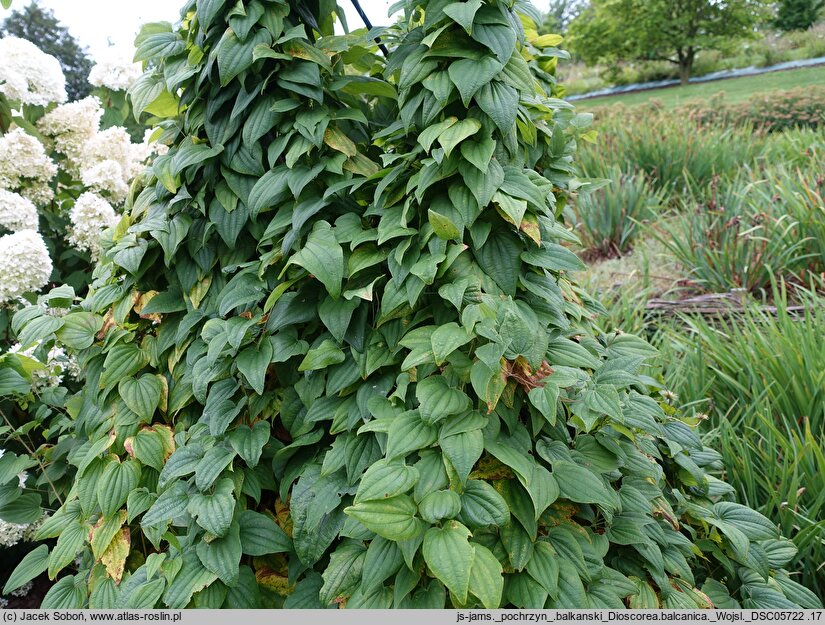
pixel 32 453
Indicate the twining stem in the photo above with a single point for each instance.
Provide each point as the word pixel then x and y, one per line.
pixel 30 450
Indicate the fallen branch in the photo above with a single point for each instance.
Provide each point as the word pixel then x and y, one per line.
pixel 713 304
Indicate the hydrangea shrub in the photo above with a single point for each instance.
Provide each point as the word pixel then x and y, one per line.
pixel 333 356
pixel 64 176
pixel 53 154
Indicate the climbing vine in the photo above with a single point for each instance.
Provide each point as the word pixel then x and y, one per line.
pixel 333 353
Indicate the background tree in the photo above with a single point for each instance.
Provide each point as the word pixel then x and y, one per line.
pixel 560 14
pixel 798 14
pixel 42 28
pixel 661 30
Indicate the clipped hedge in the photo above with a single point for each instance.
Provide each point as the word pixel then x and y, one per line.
pixel 332 354
pixel 775 112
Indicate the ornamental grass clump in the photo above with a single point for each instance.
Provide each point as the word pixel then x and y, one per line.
pixel 741 233
pixel 333 356
pixel 667 149
pixel 608 219
pixel 759 379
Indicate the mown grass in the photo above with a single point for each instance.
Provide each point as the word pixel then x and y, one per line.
pixel 772 48
pixel 735 89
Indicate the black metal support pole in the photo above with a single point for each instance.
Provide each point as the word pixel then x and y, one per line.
pixel 367 23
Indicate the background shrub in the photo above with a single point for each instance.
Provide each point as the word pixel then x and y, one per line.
pixel 64 176
pixel 795 108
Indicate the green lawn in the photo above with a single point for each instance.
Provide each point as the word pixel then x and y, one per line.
pixel 736 89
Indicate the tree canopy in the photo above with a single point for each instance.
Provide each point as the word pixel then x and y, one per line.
pixel 42 28
pixel 798 14
pixel 560 13
pixel 626 30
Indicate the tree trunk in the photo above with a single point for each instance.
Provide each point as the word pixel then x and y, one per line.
pixel 686 65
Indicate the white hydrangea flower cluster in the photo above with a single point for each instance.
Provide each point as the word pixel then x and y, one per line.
pixel 110 161
pixel 57 364
pixel 24 590
pixel 117 72
pixel 31 530
pixel 11 533
pixel 151 146
pixel 25 264
pixel 16 212
pixel 106 177
pixel 70 126
pixel 25 167
pixel 105 161
pixel 29 75
pixel 90 215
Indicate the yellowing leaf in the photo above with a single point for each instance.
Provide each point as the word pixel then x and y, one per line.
pixel 530 226
pixel 165 105
pixel 360 164
pixel 337 140
pixel 547 41
pixel 274 581
pixel 104 531
pixel 591 136
pixel 114 558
